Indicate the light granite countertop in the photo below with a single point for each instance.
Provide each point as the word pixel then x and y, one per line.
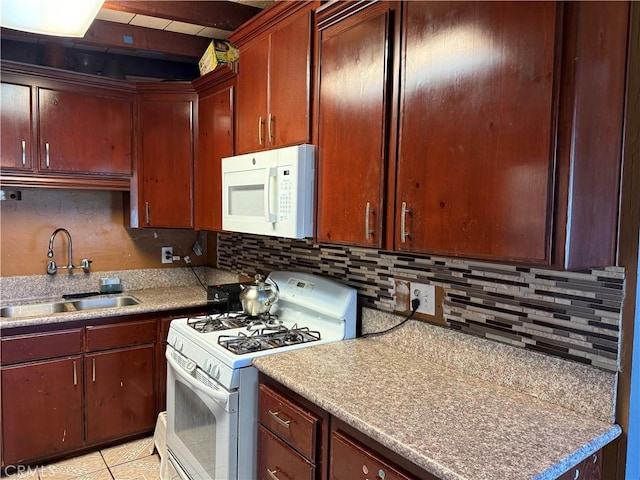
pixel 157 290
pixel 454 425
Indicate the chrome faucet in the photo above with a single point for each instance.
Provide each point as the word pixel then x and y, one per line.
pixel 52 268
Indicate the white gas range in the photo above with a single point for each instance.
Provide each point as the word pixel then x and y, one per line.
pixel 212 388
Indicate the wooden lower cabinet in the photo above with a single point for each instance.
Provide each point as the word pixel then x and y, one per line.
pixel 352 461
pixel 276 459
pixel 120 396
pixel 41 409
pixel 66 390
pixel 589 469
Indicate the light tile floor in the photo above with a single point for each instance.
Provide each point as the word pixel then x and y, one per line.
pixel 130 461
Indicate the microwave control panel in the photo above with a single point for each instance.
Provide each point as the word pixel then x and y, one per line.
pixel 285 193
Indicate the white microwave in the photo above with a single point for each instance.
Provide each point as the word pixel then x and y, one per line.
pixel 269 192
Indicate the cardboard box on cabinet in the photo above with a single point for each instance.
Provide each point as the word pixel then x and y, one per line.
pixel 218 52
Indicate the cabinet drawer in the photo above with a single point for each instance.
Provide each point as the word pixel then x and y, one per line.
pixel 104 337
pixel 289 421
pixel 350 461
pixel 26 348
pixel 277 460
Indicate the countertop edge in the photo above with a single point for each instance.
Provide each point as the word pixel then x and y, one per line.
pixel 579 455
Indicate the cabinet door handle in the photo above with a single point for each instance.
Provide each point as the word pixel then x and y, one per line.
pixel 93 369
pixel 147 216
pixel 272 474
pixel 75 373
pixel 46 155
pixel 24 153
pixel 367 213
pixel 284 423
pixel 260 131
pixel 403 226
pixel 271 129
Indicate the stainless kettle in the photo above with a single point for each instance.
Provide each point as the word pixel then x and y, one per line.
pixel 257 298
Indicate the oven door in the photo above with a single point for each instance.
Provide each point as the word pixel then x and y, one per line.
pixel 202 422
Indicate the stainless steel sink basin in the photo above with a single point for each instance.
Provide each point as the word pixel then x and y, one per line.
pixel 106 302
pixel 42 309
pixel 37 309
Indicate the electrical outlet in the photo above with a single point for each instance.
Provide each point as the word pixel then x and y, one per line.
pixel 167 254
pixel 197 249
pixel 427 296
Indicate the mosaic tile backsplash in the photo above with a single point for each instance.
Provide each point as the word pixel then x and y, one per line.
pixel 572 315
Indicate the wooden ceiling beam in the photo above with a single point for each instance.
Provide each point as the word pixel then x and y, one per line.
pixel 120 36
pixel 218 14
pixel 130 37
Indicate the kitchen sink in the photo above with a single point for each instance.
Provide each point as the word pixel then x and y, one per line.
pixel 42 309
pixel 106 302
pixel 36 309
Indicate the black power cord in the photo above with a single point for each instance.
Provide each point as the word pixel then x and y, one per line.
pixel 415 303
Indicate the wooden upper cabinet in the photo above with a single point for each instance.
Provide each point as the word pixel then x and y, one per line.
pixel 510 131
pixel 274 86
pixel 165 157
pixel 215 141
pixel 590 126
pixel 356 54
pixel 84 133
pixel 252 99
pixel 60 129
pixel 16 134
pixel 475 161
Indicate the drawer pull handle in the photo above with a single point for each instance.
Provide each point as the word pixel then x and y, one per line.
pixel 272 473
pixel 284 423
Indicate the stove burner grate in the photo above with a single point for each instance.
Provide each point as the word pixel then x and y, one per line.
pixel 227 321
pixel 267 338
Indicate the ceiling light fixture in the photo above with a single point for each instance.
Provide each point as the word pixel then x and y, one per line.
pixel 64 18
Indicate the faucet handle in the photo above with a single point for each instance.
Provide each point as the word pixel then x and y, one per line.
pixel 86 264
pixel 52 268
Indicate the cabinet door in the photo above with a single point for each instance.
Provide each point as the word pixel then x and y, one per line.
pixel 82 133
pixel 290 83
pixel 353 128
pixel 167 168
pixel 41 409
pixel 475 142
pixel 119 392
pixel 15 126
pixel 252 97
pixel 215 141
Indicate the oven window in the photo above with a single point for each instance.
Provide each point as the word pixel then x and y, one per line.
pixel 195 426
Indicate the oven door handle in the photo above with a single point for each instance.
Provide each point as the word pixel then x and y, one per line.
pixel 217 396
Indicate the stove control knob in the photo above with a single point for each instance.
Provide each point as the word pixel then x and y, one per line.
pixel 178 344
pixel 212 368
pixel 172 339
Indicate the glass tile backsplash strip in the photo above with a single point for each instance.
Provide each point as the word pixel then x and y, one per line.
pixel 573 315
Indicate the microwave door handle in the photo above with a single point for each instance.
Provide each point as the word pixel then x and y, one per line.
pixel 217 396
pixel 269 216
